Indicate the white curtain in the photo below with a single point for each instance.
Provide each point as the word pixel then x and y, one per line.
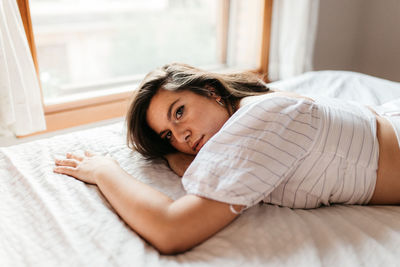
pixel 21 110
pixel 294 25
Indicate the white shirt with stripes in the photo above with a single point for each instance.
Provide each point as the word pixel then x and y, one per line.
pixel 290 152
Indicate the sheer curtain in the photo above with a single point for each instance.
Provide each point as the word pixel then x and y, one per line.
pixel 294 25
pixel 21 110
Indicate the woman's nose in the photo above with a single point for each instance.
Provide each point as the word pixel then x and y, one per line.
pixel 183 136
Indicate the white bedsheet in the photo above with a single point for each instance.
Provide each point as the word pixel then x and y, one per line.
pixel 48 219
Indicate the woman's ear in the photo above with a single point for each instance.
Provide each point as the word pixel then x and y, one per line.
pixel 211 91
pixel 213 94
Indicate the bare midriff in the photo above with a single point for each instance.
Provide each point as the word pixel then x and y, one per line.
pixel 388 164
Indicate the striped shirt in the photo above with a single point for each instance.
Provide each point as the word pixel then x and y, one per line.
pixel 290 152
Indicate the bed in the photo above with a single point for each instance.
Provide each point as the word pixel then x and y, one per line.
pixel 47 219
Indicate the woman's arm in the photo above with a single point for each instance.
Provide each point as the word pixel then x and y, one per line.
pixel 170 226
pixel 179 162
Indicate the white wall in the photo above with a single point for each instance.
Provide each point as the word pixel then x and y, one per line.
pixel 359 35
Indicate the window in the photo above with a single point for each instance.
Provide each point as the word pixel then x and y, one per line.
pixel 85 45
pixel 92 53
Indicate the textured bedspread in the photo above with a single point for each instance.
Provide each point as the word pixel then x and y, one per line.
pixel 47 219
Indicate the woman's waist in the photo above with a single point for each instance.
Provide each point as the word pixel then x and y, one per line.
pixel 389 151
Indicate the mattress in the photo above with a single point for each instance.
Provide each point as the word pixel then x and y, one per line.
pixel 48 219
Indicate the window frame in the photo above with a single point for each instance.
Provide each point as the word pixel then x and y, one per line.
pixel 79 112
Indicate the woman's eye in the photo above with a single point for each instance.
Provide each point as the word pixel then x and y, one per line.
pixel 179 112
pixel 168 136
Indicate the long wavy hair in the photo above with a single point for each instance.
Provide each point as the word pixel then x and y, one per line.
pixel 178 77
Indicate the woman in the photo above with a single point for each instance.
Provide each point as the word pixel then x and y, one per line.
pixel 251 144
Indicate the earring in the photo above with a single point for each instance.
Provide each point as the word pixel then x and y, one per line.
pixel 220 102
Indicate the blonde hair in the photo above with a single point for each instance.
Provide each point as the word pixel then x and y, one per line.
pixel 177 77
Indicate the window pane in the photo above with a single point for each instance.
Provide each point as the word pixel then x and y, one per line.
pixel 84 45
pixel 87 47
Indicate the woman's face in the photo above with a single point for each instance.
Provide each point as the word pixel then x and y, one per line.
pixel 187 120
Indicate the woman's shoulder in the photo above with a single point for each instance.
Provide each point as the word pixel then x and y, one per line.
pixel 282 109
pixel 272 94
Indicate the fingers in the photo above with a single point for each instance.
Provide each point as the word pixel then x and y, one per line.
pixel 67 162
pixel 65 170
pixel 73 160
pixel 73 156
pixel 79 158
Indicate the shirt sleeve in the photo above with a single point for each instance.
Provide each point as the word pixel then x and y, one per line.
pixel 254 151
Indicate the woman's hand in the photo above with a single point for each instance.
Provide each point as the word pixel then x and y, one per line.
pixel 85 168
pixel 179 162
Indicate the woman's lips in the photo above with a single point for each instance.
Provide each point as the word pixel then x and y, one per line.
pixel 198 145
